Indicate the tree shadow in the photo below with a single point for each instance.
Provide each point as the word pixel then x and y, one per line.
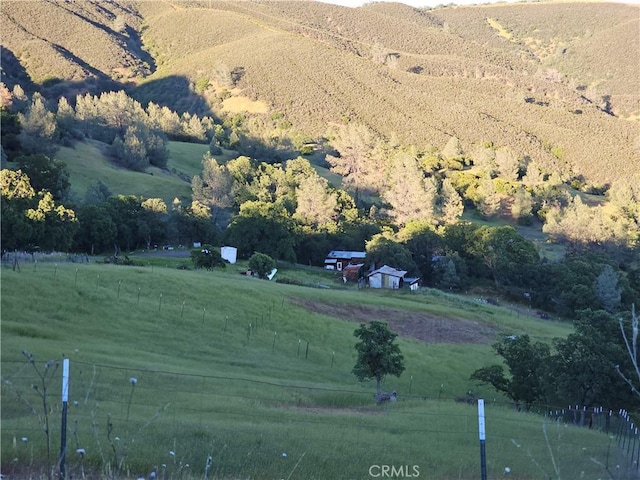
pixel 174 92
pixel 13 73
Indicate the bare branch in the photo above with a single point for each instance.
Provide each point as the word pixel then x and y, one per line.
pixel 632 350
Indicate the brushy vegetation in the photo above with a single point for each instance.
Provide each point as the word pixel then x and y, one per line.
pixel 561 81
pixel 252 397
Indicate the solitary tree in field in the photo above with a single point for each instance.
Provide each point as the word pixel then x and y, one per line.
pixel 378 355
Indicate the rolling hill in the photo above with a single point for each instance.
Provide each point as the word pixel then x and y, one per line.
pixel 556 82
pixel 257 375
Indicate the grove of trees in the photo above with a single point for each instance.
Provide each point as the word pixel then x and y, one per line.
pixel 591 367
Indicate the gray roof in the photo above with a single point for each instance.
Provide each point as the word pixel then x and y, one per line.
pixel 346 254
pixel 387 270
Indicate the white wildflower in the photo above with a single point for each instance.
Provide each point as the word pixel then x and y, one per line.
pixel 133 380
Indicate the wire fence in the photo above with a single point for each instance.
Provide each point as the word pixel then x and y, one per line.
pixel 134 423
pixel 128 422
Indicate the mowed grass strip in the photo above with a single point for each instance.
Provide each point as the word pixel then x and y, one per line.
pixel 222 370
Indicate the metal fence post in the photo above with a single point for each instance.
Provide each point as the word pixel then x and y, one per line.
pixel 63 429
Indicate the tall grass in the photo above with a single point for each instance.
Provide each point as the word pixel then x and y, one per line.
pixel 207 384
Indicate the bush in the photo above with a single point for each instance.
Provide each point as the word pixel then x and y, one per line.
pixel 207 257
pixel 261 264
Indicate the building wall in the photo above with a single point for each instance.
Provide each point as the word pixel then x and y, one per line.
pixel 392 282
pixel 380 280
pixel 375 281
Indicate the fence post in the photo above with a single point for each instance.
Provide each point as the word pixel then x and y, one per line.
pixel 63 429
pixel 637 461
pixel 481 432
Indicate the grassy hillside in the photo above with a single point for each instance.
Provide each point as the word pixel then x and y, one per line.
pixel 540 78
pixel 88 41
pixel 87 162
pixel 222 368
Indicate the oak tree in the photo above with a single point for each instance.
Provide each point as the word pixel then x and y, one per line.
pixel 378 354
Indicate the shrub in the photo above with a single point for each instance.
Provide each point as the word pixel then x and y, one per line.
pixel 261 264
pixel 207 257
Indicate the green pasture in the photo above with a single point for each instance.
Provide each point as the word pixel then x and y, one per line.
pixel 235 368
pixel 86 162
pixel 186 158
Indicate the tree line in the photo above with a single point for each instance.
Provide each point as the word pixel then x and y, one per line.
pixel 588 368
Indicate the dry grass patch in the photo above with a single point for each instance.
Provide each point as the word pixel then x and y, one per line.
pixel 422 326
pixel 244 104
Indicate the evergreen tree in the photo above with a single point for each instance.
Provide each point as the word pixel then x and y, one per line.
pixel 97 193
pixel 38 134
pixel 450 279
pixel 607 289
pixel 508 164
pixel 452 204
pixel 316 204
pixel 131 150
pixel 453 149
pixel 411 195
pixel 355 162
pixel 489 203
pixel 521 208
pixel 65 120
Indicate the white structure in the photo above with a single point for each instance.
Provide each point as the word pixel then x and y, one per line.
pixel 272 274
pixel 230 254
pixel 386 277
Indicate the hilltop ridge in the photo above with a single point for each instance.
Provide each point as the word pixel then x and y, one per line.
pixel 551 81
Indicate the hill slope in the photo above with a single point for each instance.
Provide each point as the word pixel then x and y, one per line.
pixel 532 77
pixel 219 371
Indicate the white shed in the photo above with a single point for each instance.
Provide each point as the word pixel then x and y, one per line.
pixel 230 254
pixel 386 277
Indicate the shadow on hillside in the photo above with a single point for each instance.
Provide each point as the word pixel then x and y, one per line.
pixel 131 39
pixel 174 92
pixel 13 73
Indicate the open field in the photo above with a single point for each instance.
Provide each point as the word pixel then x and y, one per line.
pixel 257 375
